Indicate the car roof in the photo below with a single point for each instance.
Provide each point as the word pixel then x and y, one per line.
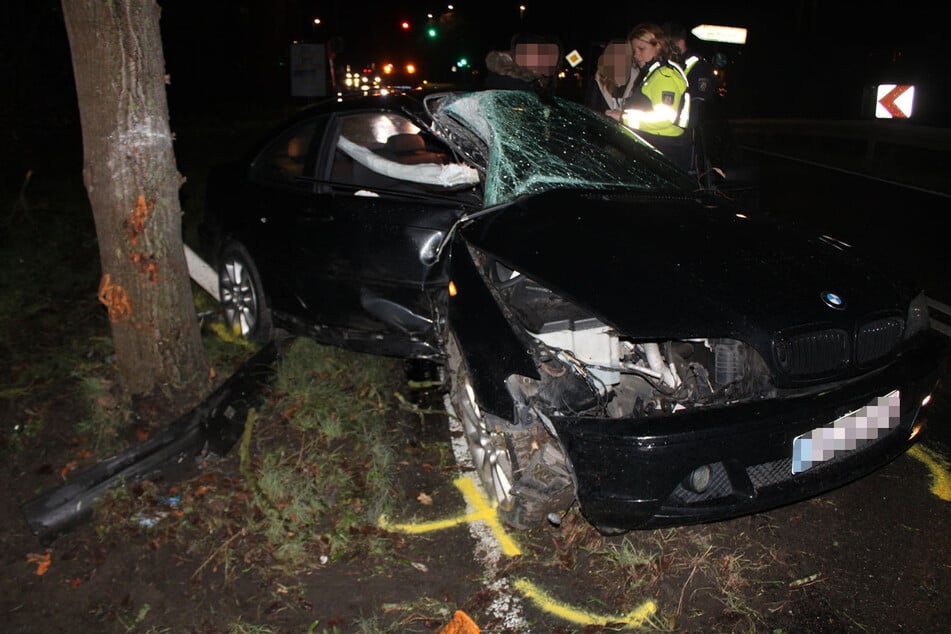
pixel 411 100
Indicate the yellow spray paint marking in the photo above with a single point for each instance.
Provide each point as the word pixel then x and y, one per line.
pixel 939 468
pixel 635 618
pixel 484 512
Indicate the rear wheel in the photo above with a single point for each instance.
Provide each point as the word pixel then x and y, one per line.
pixel 243 303
pixel 521 467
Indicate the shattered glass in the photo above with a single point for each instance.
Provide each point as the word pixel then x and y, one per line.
pixel 536 144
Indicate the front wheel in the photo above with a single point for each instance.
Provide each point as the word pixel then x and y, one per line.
pixel 243 303
pixel 522 467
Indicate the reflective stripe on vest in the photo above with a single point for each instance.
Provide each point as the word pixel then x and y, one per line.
pixel 684 117
pixel 689 62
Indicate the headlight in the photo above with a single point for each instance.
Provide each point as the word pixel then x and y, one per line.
pixel 917 320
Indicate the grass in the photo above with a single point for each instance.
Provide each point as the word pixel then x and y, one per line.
pixel 334 406
pixel 51 333
pixel 317 463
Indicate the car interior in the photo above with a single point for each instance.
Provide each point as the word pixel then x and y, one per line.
pixel 384 151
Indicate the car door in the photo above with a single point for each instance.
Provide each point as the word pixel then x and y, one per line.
pixel 280 188
pixel 377 238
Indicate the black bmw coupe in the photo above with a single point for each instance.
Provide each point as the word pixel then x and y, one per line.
pixel 610 334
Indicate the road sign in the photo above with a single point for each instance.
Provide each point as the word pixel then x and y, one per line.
pixel 308 70
pixel 894 101
pixel 574 58
pixel 717 33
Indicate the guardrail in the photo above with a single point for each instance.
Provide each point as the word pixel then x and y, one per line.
pixel 940 316
pixel 892 133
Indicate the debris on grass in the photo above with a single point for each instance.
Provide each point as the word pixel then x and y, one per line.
pixel 42 561
pixel 460 624
pixel 806 581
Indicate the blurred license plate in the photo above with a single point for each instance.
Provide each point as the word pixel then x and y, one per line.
pixel 855 429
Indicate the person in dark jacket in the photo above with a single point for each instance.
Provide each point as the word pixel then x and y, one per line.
pixel 531 63
pixel 701 78
pixel 702 88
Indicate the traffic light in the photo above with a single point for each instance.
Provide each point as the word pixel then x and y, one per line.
pixel 432 32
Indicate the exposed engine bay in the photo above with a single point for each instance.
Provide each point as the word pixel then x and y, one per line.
pixel 588 369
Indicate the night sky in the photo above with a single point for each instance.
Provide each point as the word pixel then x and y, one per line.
pixel 805 59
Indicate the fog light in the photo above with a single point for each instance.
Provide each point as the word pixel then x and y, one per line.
pixel 699 479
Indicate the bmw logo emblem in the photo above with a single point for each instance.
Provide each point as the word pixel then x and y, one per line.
pixel 832 300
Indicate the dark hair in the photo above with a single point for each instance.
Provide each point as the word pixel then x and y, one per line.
pixel 675 31
pixel 534 38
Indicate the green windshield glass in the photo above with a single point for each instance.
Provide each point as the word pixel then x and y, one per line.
pixel 536 145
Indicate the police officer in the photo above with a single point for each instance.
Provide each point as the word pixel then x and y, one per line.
pixel 701 81
pixel 662 111
pixel 700 74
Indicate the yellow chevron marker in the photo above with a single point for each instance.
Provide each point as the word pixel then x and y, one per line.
pixel 635 618
pixel 938 466
pixel 483 512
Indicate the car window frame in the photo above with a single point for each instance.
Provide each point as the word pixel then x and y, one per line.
pixel 259 169
pixel 385 184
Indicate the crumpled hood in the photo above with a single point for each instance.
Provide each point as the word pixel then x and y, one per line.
pixel 673 267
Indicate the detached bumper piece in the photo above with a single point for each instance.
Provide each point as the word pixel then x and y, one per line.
pixel 215 425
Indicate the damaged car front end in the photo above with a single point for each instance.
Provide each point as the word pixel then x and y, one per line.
pixel 657 355
pixel 611 334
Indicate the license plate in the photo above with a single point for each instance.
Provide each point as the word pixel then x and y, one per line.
pixel 855 429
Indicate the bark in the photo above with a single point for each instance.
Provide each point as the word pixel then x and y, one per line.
pixel 132 181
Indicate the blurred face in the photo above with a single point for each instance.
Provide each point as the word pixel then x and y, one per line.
pixel 617 62
pixel 644 51
pixel 541 58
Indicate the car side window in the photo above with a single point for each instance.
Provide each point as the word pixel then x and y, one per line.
pixel 284 159
pixel 386 151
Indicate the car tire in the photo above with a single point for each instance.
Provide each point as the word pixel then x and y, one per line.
pixel 522 468
pixel 243 303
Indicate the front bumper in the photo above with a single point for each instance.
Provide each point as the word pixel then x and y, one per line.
pixel 630 473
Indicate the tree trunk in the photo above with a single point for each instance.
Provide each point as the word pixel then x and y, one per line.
pixel 132 182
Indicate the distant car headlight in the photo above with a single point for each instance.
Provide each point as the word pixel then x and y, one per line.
pixel 918 319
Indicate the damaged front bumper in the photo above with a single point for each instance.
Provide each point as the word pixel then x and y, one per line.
pixel 711 464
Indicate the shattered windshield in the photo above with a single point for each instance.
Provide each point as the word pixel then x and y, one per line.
pixel 534 145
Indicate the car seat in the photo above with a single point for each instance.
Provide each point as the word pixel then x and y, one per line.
pixel 410 149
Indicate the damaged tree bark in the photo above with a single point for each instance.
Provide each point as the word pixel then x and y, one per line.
pixel 132 182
